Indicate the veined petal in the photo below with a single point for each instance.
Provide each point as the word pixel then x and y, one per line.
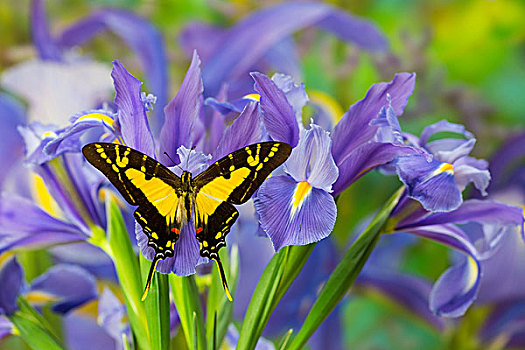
pixel 140 35
pixel 456 289
pixel 187 252
pixel 431 183
pixel 66 286
pixel 23 225
pixel 193 161
pixel 278 115
pixel 244 131
pixel 354 128
pixel 182 114
pixel 294 213
pixel 55 91
pixel 312 159
pixel 132 118
pixel 11 279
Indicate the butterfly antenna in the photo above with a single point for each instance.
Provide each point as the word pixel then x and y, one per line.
pixel 223 278
pixel 150 277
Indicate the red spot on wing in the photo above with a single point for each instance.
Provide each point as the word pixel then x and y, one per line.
pixel 176 230
pixel 199 230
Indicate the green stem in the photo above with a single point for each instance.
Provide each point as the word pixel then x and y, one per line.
pixel 344 274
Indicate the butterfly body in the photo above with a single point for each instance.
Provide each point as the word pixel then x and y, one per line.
pixel 167 202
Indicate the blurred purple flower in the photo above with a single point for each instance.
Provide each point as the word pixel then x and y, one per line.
pixel 111 314
pixel 223 51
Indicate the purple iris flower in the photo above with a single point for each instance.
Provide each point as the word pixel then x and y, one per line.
pixel 437 182
pixel 298 206
pixel 224 55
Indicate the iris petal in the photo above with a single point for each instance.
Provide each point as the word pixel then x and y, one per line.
pixel 182 113
pixel 11 280
pixel 431 183
pixel 132 118
pixel 456 289
pixel 70 286
pixel 245 130
pixel 311 220
pixel 278 115
pixel 312 160
pixel 353 129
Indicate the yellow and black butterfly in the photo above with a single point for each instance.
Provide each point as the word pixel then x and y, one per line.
pixel 165 201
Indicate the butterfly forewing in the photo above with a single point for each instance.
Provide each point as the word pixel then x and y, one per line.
pixel 143 181
pixel 236 177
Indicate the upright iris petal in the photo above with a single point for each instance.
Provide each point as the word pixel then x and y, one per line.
pixel 11 280
pixel 297 208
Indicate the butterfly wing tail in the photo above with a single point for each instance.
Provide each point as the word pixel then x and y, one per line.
pixel 223 278
pixel 150 277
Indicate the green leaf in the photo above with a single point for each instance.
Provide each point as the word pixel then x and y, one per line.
pixel 344 274
pixel 219 308
pixel 187 301
pixel 33 328
pixel 157 307
pixel 274 282
pixel 126 263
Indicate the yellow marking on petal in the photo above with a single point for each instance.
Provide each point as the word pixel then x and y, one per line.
pixel 301 191
pixel 253 97
pixel 473 273
pixel 328 103
pixel 446 167
pixel 43 197
pixel 49 134
pixel 39 297
pixel 96 116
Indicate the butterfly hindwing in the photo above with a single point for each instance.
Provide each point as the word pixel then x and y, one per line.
pixel 213 220
pixel 236 177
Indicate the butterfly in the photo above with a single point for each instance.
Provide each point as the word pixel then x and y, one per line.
pixel 166 201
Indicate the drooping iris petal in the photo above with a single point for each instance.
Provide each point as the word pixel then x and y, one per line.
pixel 55 91
pixel 431 183
pixel 140 35
pixel 456 289
pixel 245 130
pixel 67 286
pixel 23 225
pixel 312 160
pixel 354 128
pixel 11 280
pixel 182 114
pixel 447 149
pixel 11 144
pixel 294 213
pixel 69 137
pixel 187 252
pixel 231 59
pixel 132 118
pixel 44 44
pixel 278 115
